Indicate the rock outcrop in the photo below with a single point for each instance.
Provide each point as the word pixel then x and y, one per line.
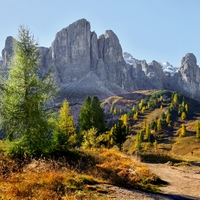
pixel 187 79
pixel 87 65
pixel 7 52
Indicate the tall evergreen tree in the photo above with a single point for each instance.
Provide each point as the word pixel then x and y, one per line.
pixel 85 122
pixel 25 98
pixel 119 133
pixel 97 115
pixel 92 115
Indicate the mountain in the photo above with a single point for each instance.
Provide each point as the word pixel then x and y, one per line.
pixel 85 64
pixel 128 58
pixel 169 69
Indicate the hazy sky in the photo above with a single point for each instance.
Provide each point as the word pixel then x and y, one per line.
pixel 161 30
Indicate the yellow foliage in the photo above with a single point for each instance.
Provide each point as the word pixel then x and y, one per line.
pixel 135 116
pixel 183 130
pixel 115 111
pixel 183 115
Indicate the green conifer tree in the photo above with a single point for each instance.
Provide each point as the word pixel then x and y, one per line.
pixel 119 134
pixel 25 99
pixel 85 121
pixel 92 115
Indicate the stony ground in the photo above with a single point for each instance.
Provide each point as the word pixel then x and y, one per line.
pixel 184 184
pixel 184 180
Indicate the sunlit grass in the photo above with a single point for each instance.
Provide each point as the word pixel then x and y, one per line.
pixel 52 179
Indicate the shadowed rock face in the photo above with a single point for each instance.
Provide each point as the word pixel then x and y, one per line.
pixel 87 65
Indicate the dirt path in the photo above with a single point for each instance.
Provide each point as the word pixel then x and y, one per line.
pixel 183 180
pixel 184 184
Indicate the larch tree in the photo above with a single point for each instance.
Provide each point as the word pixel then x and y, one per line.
pixel 25 98
pixel 159 126
pixel 197 129
pixel 148 133
pixel 175 98
pixel 64 134
pixel 183 115
pixel 183 130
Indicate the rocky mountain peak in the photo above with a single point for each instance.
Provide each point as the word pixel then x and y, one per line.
pixel 85 64
pixel 7 52
pixel 189 60
pixel 187 80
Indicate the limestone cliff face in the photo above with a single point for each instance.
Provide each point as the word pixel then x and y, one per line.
pixel 87 65
pixel 155 75
pixel 70 52
pixel 111 65
pixel 187 80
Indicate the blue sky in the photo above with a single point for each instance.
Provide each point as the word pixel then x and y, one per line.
pixel 161 30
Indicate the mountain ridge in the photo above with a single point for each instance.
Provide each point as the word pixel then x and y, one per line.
pixel 77 51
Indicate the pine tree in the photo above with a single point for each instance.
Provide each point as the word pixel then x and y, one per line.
pixel 85 122
pixel 92 115
pixel 64 134
pixel 97 115
pixel 25 99
pixel 119 134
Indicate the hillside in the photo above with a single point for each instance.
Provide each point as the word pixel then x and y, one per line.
pixel 156 155
pixel 156 106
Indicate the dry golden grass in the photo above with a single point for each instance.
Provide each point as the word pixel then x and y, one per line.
pixel 48 179
pixel 187 147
